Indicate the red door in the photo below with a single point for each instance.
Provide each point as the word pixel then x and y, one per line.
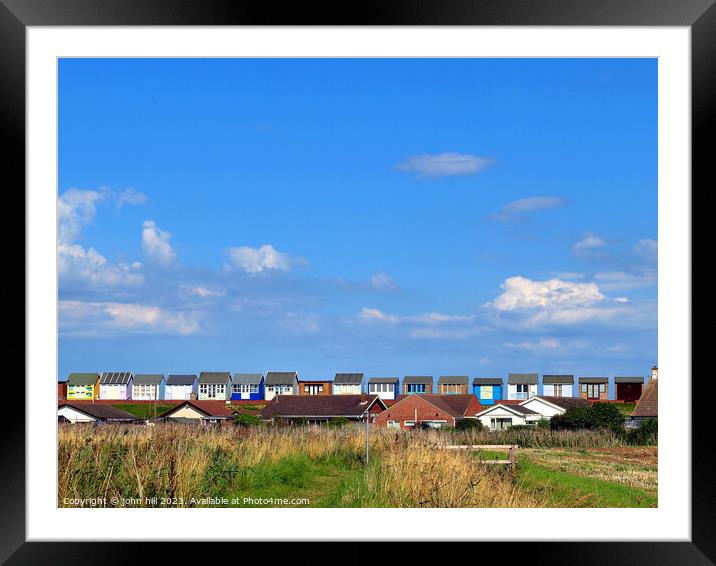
pixel 628 392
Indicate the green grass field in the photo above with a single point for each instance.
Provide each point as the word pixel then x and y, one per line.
pixel 144 410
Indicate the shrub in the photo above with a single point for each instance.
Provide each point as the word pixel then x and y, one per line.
pixel 645 434
pixel 598 416
pixel 338 422
pixel 242 419
pixel 468 424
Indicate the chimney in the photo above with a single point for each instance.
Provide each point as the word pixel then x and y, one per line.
pixel 654 372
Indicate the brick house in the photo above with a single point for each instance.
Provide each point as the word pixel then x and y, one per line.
pixel 452 385
pixel 315 387
pixel 628 389
pixel 436 411
pixel 594 388
pixel 315 409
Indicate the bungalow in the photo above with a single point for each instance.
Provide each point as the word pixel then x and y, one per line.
pixel 500 416
pixel 148 387
pixel 548 406
pixel 435 411
pixel 181 387
pixel 521 385
pixel 214 385
pixel 452 385
pixel 348 384
pixel 315 387
pixel 281 383
pixel 198 412
pixel 648 405
pixel 594 388
pixel 115 385
pixel 557 385
pixel 487 389
pixel 628 389
pixel 322 408
pixel 61 388
pixel 384 387
pixel 83 386
pixel 417 384
pixel 93 413
pixel 247 386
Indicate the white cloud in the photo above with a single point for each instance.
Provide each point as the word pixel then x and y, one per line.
pixel 445 164
pixel 130 196
pixel 98 318
pixel 375 314
pixel 204 292
pixel 623 300
pixel 523 293
pixel 155 244
pixel 545 343
pixel 516 209
pixel 620 280
pixel 256 260
pixel 76 208
pixel 647 249
pixel 300 323
pixel 444 333
pixel 381 280
pixel 589 242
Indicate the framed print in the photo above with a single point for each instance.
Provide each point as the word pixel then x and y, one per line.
pixel 424 269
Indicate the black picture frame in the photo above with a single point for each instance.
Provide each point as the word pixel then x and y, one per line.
pixel 699 15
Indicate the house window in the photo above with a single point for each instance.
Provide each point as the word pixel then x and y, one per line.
pixel 245 388
pixel 408 423
pixel 497 423
pixel 451 388
pixel 415 388
pixel 557 390
pixel 486 392
pixel 393 424
pixel 313 389
pixel 593 389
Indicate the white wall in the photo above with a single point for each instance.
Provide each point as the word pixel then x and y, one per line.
pixel 539 406
pixel 548 390
pixel 512 391
pixel 74 416
pixel 501 413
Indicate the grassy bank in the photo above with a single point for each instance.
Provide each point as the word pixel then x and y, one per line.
pixel 324 466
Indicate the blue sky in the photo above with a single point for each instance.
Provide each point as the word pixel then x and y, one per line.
pixel 396 217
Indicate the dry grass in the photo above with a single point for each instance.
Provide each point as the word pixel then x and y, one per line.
pixel 178 461
pixel 634 467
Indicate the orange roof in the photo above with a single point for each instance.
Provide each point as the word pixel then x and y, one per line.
pixel 648 403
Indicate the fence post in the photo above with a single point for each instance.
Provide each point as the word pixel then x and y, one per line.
pixel 511 455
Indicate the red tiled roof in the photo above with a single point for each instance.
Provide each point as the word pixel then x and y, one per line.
pixel 101 412
pixel 648 403
pixel 209 408
pixel 454 405
pixel 318 406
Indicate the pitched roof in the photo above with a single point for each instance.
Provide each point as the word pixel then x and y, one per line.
pixel 509 407
pixel 214 377
pixel 281 377
pixel 148 378
pixel 521 378
pixel 454 405
pixel 83 378
pixel 115 377
pixel 487 381
pixel 409 379
pixel 383 380
pixel 207 408
pixel 452 380
pixel 567 379
pixel 319 406
pixel 593 380
pixel 181 379
pixel 648 403
pixel 100 411
pixel 635 379
pixel 348 379
pixel 564 402
pixel 247 378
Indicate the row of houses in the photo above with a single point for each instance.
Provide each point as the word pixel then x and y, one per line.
pixel 229 386
pixel 406 412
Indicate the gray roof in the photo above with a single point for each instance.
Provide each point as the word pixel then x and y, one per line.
pixel 487 381
pixel 181 379
pixel 82 378
pixel 247 378
pixel 557 379
pixel 518 378
pixel 214 377
pixel 115 377
pixel 383 380
pixel 636 379
pixel 516 408
pixel 452 380
pixel 148 378
pixel 418 379
pixel 593 380
pixel 348 379
pixel 281 377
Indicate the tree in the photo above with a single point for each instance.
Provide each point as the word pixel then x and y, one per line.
pixel 243 419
